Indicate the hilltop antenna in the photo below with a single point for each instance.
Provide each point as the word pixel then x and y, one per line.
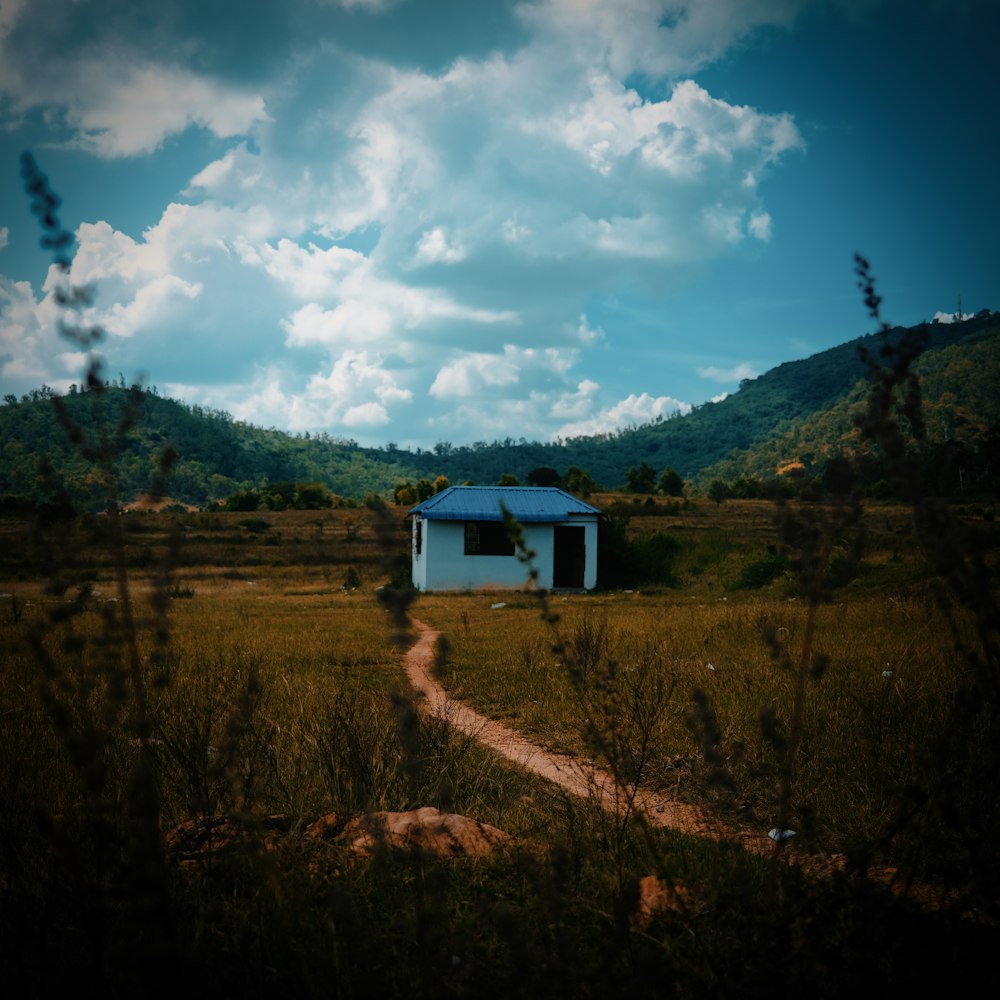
pixel 958 316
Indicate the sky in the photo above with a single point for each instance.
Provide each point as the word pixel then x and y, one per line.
pixel 416 221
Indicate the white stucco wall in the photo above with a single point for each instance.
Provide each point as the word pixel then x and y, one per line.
pixel 443 565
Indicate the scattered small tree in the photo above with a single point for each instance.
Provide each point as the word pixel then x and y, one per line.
pixel 641 479
pixel 579 482
pixel 405 494
pixel 312 496
pixel 718 491
pixel 245 500
pixel 671 483
pixel 544 476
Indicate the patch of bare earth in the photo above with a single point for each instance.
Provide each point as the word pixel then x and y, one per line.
pixel 146 504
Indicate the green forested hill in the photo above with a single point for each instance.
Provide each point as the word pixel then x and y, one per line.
pixel 763 408
pixel 960 389
pixel 800 412
pixel 216 455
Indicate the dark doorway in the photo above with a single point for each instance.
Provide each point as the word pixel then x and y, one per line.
pixel 569 558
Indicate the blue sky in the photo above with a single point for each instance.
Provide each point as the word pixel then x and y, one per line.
pixel 443 220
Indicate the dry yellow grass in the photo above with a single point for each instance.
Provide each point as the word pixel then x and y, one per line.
pixel 892 668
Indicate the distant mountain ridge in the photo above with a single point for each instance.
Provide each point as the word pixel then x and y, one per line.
pixel 712 432
pixel 799 408
pixel 960 393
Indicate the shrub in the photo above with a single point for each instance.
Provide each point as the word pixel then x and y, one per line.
pixel 764 571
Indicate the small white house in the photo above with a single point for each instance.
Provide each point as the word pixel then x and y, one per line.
pixel 460 541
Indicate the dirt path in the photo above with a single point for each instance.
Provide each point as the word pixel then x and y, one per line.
pixel 577 777
pixel 586 780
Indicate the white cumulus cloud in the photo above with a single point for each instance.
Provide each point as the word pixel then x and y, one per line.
pixel 657 37
pixel 148 307
pixel 130 110
pixel 578 404
pixel 633 409
pixel 741 371
pixel 435 247
pixel 469 375
pixel 759 226
pixel 364 233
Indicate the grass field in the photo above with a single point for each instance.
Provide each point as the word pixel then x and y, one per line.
pixel 891 674
pixel 271 689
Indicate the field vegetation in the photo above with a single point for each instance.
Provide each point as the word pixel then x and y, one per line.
pixel 275 696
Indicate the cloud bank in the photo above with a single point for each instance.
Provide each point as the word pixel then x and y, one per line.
pixel 377 239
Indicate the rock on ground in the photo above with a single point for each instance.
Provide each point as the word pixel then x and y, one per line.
pixel 443 835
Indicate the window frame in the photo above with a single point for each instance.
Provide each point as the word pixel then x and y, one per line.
pixel 487 538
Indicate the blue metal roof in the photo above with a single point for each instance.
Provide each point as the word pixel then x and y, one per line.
pixel 482 503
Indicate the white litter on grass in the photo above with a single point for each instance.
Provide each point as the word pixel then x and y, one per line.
pixel 499 604
pixel 777 834
pixel 886 674
pixel 711 666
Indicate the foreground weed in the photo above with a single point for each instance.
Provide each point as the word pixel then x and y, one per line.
pixel 619 712
pixel 947 802
pixel 95 685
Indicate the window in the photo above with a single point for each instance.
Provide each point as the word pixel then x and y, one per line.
pixel 487 538
pixel 419 535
